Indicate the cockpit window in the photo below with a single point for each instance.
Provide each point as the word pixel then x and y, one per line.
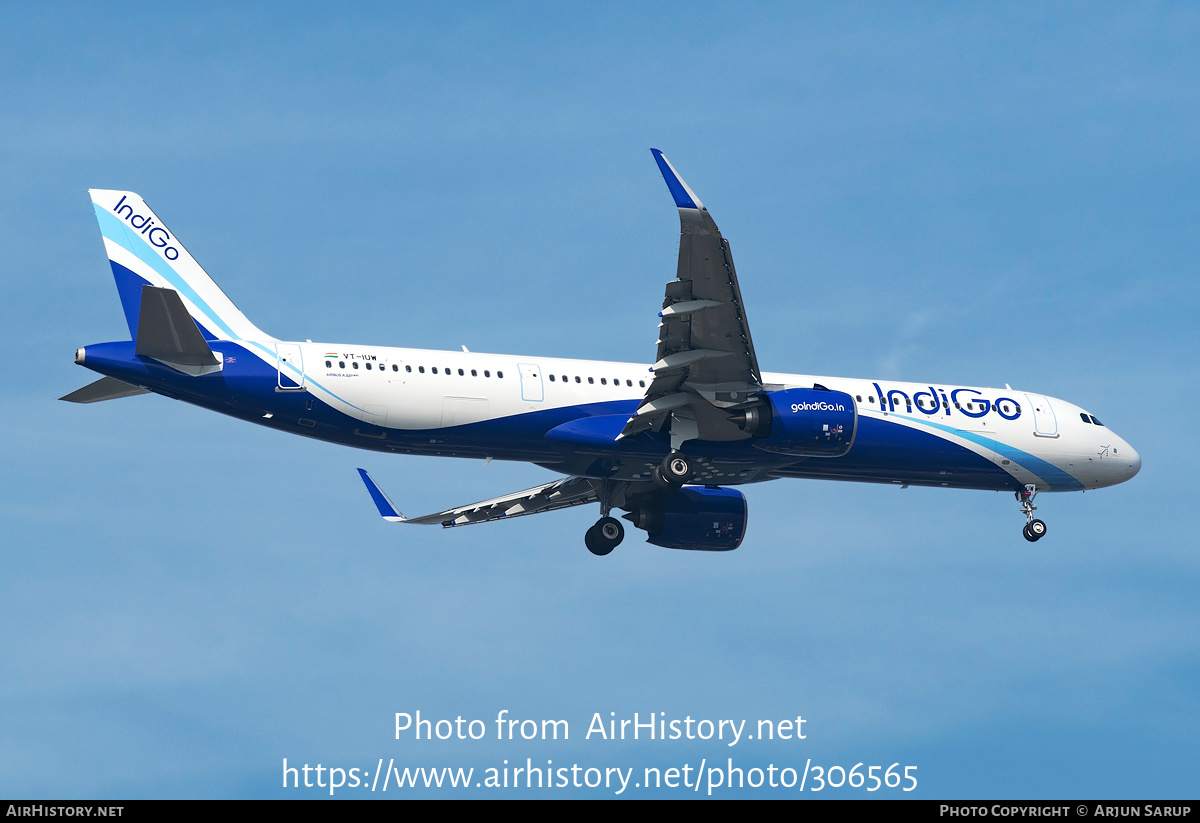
pixel 1084 417
pixel 1094 420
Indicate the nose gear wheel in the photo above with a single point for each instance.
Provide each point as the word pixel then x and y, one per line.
pixel 1034 529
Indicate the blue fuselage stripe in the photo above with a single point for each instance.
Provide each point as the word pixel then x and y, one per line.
pixel 883 451
pixel 1058 479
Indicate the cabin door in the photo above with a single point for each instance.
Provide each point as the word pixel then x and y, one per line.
pixel 1044 422
pixel 531 382
pixel 290 365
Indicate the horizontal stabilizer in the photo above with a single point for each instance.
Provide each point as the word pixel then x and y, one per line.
pixel 168 334
pixel 106 388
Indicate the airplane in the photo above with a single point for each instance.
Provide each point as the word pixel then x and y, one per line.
pixel 666 443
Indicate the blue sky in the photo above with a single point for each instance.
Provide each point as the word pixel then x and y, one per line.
pixel 954 194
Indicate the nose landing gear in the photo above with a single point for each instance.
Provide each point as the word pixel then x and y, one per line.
pixel 1034 529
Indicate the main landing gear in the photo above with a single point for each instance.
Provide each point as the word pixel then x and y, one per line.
pixel 1034 529
pixel 605 536
pixel 608 532
pixel 673 472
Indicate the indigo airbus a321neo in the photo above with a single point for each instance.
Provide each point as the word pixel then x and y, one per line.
pixel 663 442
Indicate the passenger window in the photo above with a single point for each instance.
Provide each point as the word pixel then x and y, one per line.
pixel 628 382
pixel 368 367
pixel 354 364
pixel 499 374
pixel 642 383
pixel 590 380
pixel 408 369
pixel 341 364
pixel 327 364
pixel 603 381
pixel 487 373
pixel 460 373
pixel 421 369
pixel 577 380
pixel 551 378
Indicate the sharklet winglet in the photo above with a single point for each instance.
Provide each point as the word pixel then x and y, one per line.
pixel 386 510
pixel 685 198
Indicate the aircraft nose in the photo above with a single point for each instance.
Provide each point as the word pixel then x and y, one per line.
pixel 1128 462
pixel 1134 462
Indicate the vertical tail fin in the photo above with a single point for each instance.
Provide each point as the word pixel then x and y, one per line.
pixel 142 251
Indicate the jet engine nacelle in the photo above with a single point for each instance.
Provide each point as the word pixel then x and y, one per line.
pixel 813 422
pixel 696 518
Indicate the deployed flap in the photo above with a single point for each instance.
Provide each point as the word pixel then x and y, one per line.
pixel 560 494
pixel 168 334
pixel 106 388
pixel 705 353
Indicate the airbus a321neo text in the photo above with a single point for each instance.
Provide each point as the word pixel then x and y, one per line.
pixel 665 443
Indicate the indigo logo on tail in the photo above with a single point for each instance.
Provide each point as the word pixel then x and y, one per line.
pixel 155 235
